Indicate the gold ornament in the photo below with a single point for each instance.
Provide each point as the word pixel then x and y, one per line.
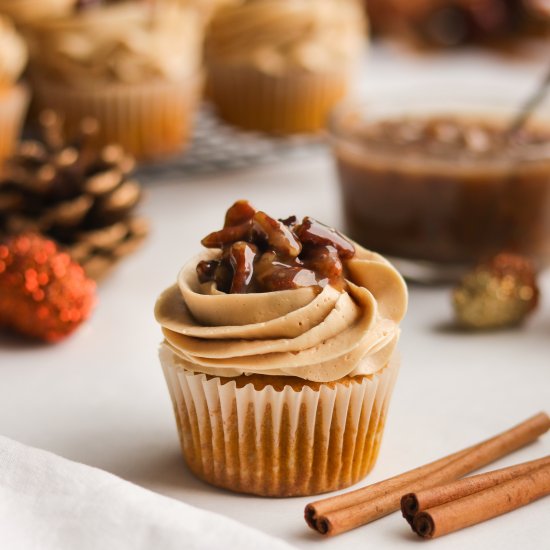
pixel 496 294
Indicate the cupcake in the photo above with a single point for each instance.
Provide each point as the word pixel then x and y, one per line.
pixel 278 353
pixel 14 97
pixel 279 66
pixel 133 66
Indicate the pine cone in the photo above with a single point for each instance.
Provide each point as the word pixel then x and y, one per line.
pixel 74 193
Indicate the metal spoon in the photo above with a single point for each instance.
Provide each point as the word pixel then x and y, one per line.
pixel 530 105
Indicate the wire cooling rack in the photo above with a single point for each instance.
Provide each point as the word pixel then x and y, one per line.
pixel 218 147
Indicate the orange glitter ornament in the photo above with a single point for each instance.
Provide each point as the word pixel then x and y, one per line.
pixel 44 294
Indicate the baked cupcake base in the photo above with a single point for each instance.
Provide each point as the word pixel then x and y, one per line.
pixel 279 436
pixel 13 106
pixel 150 120
pixel 295 103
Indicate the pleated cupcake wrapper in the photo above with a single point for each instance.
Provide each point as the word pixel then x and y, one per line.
pixel 279 443
pixel 295 103
pixel 149 120
pixel 13 106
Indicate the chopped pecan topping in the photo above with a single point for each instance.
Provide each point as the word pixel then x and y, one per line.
pixel 276 235
pixel 240 212
pixel 228 235
pixel 313 233
pixel 241 258
pixel 262 254
pixel 326 262
pixel 206 270
pixel 290 221
pixel 273 275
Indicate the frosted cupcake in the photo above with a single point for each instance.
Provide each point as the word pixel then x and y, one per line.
pixel 133 66
pixel 279 355
pixel 279 66
pixel 14 97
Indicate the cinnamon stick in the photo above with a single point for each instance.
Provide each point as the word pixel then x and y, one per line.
pixel 342 513
pixel 414 503
pixel 315 511
pixel 484 505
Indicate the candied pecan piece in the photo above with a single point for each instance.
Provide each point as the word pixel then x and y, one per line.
pixel 285 277
pixel 224 276
pixel 326 263
pixel 241 258
pixel 272 275
pixel 314 233
pixel 206 270
pixel 228 235
pixel 276 235
pixel 290 221
pixel 240 212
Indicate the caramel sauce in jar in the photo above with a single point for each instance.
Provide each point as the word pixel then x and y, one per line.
pixel 447 190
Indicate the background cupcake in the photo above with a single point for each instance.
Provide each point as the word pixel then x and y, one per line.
pixel 280 65
pixel 278 355
pixel 13 97
pixel 133 66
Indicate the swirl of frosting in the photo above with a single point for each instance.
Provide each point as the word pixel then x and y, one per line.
pixel 13 53
pixel 280 35
pixel 25 11
pixel 320 337
pixel 127 42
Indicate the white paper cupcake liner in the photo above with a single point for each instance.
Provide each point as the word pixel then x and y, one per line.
pixel 295 103
pixel 291 442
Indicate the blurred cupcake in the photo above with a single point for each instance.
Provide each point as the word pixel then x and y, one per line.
pixel 133 66
pixel 279 66
pixel 279 355
pixel 14 97
pixel 26 11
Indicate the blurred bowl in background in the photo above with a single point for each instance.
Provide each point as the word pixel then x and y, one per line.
pixel 433 178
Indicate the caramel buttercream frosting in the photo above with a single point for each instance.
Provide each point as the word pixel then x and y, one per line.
pixel 13 54
pixel 322 331
pixel 277 36
pixel 130 42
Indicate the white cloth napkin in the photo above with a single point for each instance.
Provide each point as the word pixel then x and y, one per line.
pixel 50 503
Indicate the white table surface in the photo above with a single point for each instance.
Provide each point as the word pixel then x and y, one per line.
pixel 100 397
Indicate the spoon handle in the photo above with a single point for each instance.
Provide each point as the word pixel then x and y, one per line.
pixel 530 104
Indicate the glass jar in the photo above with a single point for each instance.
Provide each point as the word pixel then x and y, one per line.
pixel 436 213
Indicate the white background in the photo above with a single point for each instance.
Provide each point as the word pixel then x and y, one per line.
pixel 100 397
